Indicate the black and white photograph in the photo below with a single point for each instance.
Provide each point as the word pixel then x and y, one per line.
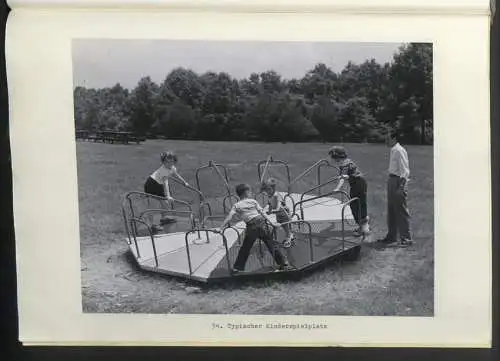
pixel 255 177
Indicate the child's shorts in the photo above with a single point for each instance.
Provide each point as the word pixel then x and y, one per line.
pixel 154 188
pixel 282 216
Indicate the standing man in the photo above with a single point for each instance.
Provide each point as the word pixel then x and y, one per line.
pixel 398 216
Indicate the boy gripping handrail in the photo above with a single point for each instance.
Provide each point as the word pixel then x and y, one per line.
pixel 258 225
pixel 277 205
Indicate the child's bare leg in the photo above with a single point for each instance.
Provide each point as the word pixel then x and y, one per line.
pixel 288 235
pixel 154 228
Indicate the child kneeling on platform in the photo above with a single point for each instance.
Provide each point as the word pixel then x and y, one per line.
pixel 258 225
pixel 277 205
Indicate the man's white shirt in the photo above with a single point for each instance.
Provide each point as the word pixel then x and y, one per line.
pixel 398 162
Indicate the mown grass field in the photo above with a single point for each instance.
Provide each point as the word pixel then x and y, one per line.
pixel 391 281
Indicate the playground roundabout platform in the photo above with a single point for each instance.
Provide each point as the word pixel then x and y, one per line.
pixel 192 247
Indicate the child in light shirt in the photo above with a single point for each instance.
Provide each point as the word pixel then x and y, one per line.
pixel 258 225
pixel 277 205
pixel 157 183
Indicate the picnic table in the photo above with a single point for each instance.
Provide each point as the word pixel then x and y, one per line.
pixel 108 136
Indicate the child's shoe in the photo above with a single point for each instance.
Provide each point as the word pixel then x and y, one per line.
pixel 286 267
pixel 156 229
pixel 287 243
pixel 167 220
pixel 357 231
pixel 236 271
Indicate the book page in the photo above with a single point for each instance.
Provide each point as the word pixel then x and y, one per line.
pixel 88 276
pixel 359 6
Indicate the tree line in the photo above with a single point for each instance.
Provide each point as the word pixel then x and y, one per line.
pixel 358 104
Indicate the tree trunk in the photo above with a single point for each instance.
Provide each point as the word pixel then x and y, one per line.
pixel 422 132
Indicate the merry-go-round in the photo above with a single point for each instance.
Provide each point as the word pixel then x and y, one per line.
pixel 191 245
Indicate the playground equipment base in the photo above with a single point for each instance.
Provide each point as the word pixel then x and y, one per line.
pixel 210 264
pixel 205 259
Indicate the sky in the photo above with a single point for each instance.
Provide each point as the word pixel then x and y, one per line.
pixel 101 63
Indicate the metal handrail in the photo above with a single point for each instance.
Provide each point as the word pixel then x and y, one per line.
pixel 200 194
pixel 291 198
pixel 124 214
pixel 327 164
pixel 127 201
pixel 309 233
pixel 234 229
pixel 213 217
pixel 343 211
pixel 134 220
pixel 300 203
pixel 155 197
pixel 261 176
pixel 224 240
pixel 270 160
pixel 318 187
pixel 212 164
pixel 224 200
pixel 202 213
pixel 169 211
pixel 305 172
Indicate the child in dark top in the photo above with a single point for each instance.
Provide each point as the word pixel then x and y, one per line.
pixel 277 205
pixel 258 225
pixel 357 186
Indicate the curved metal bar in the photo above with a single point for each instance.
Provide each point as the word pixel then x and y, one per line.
pixel 261 176
pixel 158 198
pixel 150 235
pixel 300 203
pixel 224 208
pixel 291 198
pixel 305 172
pixel 188 253
pixel 212 164
pixel 318 187
pixel 124 214
pixel 134 236
pixel 197 176
pixel 224 177
pixel 309 233
pixel 234 229
pixel 202 212
pixel 178 181
pixel 343 226
pixel 224 241
pixel 319 172
pixel 132 214
pixel 169 211
pixel 210 217
pixel 272 161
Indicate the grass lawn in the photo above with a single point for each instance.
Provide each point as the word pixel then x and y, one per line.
pixel 392 281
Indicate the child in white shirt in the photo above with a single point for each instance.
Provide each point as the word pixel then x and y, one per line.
pixel 157 183
pixel 258 225
pixel 277 205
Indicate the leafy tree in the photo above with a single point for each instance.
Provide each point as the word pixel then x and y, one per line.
pixel 358 104
pixel 411 88
pixel 177 121
pixel 141 105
